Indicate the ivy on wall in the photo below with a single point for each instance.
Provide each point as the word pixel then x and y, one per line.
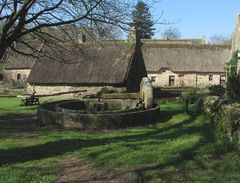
pixel 233 78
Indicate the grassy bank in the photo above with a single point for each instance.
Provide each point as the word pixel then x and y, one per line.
pixel 177 148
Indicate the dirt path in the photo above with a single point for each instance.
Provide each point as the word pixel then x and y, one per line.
pixel 73 170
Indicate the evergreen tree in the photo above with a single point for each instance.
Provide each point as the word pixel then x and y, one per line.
pixel 142 18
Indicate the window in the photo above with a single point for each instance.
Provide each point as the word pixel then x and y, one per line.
pixel 210 77
pixel 171 80
pixel 84 38
pixel 153 78
pixel 222 80
pixel 18 76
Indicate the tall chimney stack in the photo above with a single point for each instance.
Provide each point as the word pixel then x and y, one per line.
pixel 236 36
pixel 236 42
pixel 132 38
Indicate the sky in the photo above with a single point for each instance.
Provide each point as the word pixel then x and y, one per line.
pixel 197 18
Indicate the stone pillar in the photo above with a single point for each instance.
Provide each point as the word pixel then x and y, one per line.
pixel 146 92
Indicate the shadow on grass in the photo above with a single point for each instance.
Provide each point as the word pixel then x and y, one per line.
pixel 7 96
pixel 56 148
pixel 63 146
pixel 17 123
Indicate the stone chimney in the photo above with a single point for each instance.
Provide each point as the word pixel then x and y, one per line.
pixel 132 37
pixel 236 36
pixel 236 40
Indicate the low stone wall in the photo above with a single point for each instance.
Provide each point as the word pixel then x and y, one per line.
pixel 227 120
pixel 114 106
pixel 50 90
pixel 167 92
pixel 98 121
pixel 210 105
pixel 225 115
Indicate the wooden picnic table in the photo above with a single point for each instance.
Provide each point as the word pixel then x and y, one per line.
pixel 32 100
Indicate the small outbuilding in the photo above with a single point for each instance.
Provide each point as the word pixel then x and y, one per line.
pixel 18 66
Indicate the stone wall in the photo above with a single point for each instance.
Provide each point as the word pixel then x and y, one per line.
pixel 49 90
pixel 225 115
pixel 11 76
pixel 184 79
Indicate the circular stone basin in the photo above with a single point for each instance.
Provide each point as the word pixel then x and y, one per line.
pixel 116 113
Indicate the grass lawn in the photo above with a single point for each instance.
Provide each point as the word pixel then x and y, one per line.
pixel 1 68
pixel 177 148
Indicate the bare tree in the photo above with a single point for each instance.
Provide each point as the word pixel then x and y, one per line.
pixel 37 19
pixel 220 40
pixel 171 33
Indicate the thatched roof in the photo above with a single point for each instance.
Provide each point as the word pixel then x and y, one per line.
pixel 84 64
pixel 185 58
pixel 23 61
pixel 175 41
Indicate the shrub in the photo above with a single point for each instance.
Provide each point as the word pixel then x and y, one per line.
pixel 233 90
pixel 190 96
pixel 216 90
pixel 106 90
pixel 227 121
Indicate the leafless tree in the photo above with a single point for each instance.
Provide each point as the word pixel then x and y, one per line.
pixel 220 40
pixel 171 33
pixel 21 19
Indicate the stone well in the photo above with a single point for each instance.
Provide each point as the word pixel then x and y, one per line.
pixel 102 114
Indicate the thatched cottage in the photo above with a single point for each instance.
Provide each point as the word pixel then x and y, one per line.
pixel 89 67
pixel 185 65
pixel 18 66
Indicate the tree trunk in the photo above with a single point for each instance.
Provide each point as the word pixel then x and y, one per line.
pixel 186 106
pixel 4 45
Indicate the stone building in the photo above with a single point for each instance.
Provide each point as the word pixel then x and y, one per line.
pixel 89 67
pixel 182 65
pixel 18 66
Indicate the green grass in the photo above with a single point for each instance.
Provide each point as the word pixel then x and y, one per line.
pixel 12 105
pixel 1 68
pixel 177 148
